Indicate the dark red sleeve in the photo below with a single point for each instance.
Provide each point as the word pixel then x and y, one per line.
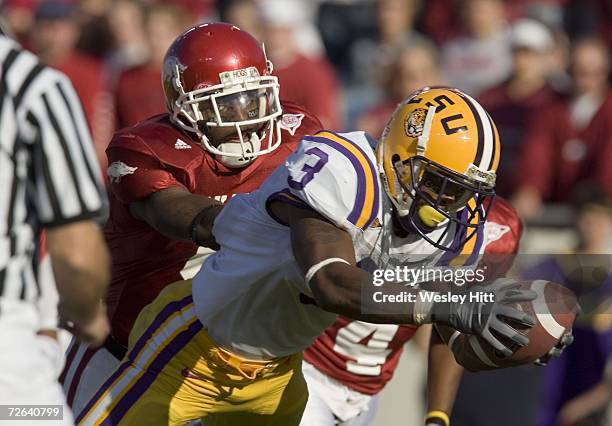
pixel 504 214
pixel 135 172
pixel 504 230
pixel 537 155
pixel 603 172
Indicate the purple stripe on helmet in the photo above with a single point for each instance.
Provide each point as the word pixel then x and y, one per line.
pixel 149 376
pixel 458 240
pixel 479 241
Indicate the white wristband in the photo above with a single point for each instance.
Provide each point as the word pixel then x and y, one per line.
pixel 421 312
pixel 315 268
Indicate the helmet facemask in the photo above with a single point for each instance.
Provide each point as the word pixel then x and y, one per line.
pixel 431 196
pixel 245 102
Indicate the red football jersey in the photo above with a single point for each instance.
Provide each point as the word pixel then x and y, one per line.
pixel 155 155
pixel 363 356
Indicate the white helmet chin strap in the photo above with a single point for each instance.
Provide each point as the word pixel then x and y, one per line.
pixel 424 138
pixel 403 206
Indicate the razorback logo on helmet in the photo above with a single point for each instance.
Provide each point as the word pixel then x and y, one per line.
pixel 118 169
pixel 415 122
pixel 291 122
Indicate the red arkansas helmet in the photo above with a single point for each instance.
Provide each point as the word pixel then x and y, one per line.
pixel 216 75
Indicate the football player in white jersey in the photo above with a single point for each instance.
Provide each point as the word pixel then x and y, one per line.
pixel 350 363
pixel 226 346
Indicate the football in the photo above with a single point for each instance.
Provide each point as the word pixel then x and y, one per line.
pixel 554 310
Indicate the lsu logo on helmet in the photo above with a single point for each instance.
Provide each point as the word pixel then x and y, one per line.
pixel 439 155
pixel 415 122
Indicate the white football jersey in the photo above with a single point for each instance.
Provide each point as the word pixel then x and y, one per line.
pixel 248 293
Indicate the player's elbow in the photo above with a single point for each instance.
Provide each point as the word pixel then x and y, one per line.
pixel 325 296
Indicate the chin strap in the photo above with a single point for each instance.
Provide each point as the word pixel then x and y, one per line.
pixel 424 138
pixel 253 145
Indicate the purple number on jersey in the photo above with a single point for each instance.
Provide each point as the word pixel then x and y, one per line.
pixel 308 169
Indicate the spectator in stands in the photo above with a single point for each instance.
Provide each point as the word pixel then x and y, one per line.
pixel 395 21
pixel 589 403
pixel 481 57
pixel 19 18
pixel 95 38
pixel 321 94
pixel 139 93
pixel 54 38
pixel 195 11
pixel 570 141
pixel 589 18
pixel 513 103
pixel 341 23
pixel 127 24
pixel 569 380
pixel 416 65
pixel 559 77
pixel 242 13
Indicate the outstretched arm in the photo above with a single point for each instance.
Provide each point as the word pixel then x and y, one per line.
pixel 443 377
pixel 343 288
pixel 338 286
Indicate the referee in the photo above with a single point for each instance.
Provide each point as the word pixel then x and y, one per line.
pixel 49 179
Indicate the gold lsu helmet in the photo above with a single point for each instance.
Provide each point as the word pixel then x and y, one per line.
pixel 438 158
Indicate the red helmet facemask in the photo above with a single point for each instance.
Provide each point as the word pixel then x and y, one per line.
pixel 217 76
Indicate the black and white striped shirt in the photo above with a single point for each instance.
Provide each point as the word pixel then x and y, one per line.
pixel 49 174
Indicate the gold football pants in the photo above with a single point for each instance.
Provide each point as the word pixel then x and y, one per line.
pixel 173 373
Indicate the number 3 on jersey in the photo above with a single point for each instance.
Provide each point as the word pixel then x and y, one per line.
pixel 311 163
pixel 367 344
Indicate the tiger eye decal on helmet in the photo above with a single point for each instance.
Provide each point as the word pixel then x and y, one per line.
pixel 439 170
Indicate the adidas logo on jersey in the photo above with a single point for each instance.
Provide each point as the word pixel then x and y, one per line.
pixel 179 144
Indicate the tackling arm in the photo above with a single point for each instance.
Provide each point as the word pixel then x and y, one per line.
pixel 180 215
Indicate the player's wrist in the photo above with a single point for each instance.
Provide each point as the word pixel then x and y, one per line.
pixel 437 418
pixel 203 216
pixel 423 308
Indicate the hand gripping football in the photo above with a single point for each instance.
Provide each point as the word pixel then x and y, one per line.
pixel 554 309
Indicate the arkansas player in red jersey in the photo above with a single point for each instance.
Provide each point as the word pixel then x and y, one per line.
pixel 352 361
pixel 225 132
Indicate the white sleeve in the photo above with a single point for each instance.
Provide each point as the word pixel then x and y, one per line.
pixel 335 175
pixel 67 182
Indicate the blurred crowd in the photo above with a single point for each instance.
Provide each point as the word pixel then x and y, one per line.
pixel 541 68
